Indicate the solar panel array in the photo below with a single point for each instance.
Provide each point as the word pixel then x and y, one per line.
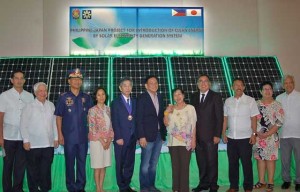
pixel 138 69
pixel 171 71
pixel 186 72
pixel 255 70
pixel 94 72
pixel 36 70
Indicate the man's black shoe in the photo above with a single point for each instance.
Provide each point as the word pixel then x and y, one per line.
pixel 199 188
pixel 297 187
pixel 286 185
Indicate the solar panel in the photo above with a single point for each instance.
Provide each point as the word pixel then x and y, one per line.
pixel 255 70
pixel 35 69
pixel 94 72
pixel 138 69
pixel 186 72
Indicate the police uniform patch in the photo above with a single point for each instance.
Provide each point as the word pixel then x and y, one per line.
pixel 69 101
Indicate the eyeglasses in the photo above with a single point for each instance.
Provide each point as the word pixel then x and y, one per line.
pixel 267 89
pixel 203 81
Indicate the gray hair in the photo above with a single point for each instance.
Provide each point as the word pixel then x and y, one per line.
pixel 36 86
pixel 286 77
pixel 125 79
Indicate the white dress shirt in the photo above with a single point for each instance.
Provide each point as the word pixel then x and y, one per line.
pixel 205 94
pixel 291 107
pixel 11 104
pixel 38 124
pixel 239 112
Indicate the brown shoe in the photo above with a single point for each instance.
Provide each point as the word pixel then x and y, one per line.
pixel 232 190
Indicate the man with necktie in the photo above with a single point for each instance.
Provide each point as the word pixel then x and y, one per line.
pixel 123 115
pixel 209 109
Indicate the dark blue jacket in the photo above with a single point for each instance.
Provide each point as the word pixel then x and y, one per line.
pixel 147 118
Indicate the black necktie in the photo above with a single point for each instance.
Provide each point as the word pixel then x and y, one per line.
pixel 202 98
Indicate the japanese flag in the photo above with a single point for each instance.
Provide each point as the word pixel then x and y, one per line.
pixel 193 12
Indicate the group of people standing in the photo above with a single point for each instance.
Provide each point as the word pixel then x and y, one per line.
pixel 31 128
pixel 253 128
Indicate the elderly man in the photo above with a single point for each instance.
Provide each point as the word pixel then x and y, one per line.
pixel 39 133
pixel 12 102
pixel 71 111
pixel 240 113
pixel 123 115
pixel 290 132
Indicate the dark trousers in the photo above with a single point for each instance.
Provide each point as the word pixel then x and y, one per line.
pixel 78 153
pixel 207 161
pixel 240 149
pixel 180 158
pixel 13 166
pixel 125 157
pixel 39 162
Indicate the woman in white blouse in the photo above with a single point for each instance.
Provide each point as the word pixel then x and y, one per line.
pixel 180 120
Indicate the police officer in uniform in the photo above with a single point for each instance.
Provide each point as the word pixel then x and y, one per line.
pixel 71 111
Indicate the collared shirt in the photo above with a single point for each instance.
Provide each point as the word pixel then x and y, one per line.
pixel 125 99
pixel 239 112
pixel 73 110
pixel 200 95
pixel 11 104
pixel 155 101
pixel 38 124
pixel 291 107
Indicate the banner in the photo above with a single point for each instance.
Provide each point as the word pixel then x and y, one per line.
pixel 136 31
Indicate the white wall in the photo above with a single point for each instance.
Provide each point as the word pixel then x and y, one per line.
pixel 21 28
pixel 279 33
pixel 232 27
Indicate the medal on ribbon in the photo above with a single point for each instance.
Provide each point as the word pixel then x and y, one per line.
pixel 129 108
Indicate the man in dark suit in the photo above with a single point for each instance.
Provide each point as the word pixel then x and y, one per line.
pixel 123 115
pixel 151 132
pixel 209 109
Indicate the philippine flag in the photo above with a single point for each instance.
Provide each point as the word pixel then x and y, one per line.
pixel 178 12
pixel 193 12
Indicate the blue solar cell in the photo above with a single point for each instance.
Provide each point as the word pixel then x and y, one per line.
pixel 138 68
pixel 187 70
pixel 36 70
pixel 94 71
pixel 255 70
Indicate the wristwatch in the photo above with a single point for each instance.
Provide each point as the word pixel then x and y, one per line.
pixel 255 134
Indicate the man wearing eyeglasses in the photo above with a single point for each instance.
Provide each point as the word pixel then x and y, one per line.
pixel 209 109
